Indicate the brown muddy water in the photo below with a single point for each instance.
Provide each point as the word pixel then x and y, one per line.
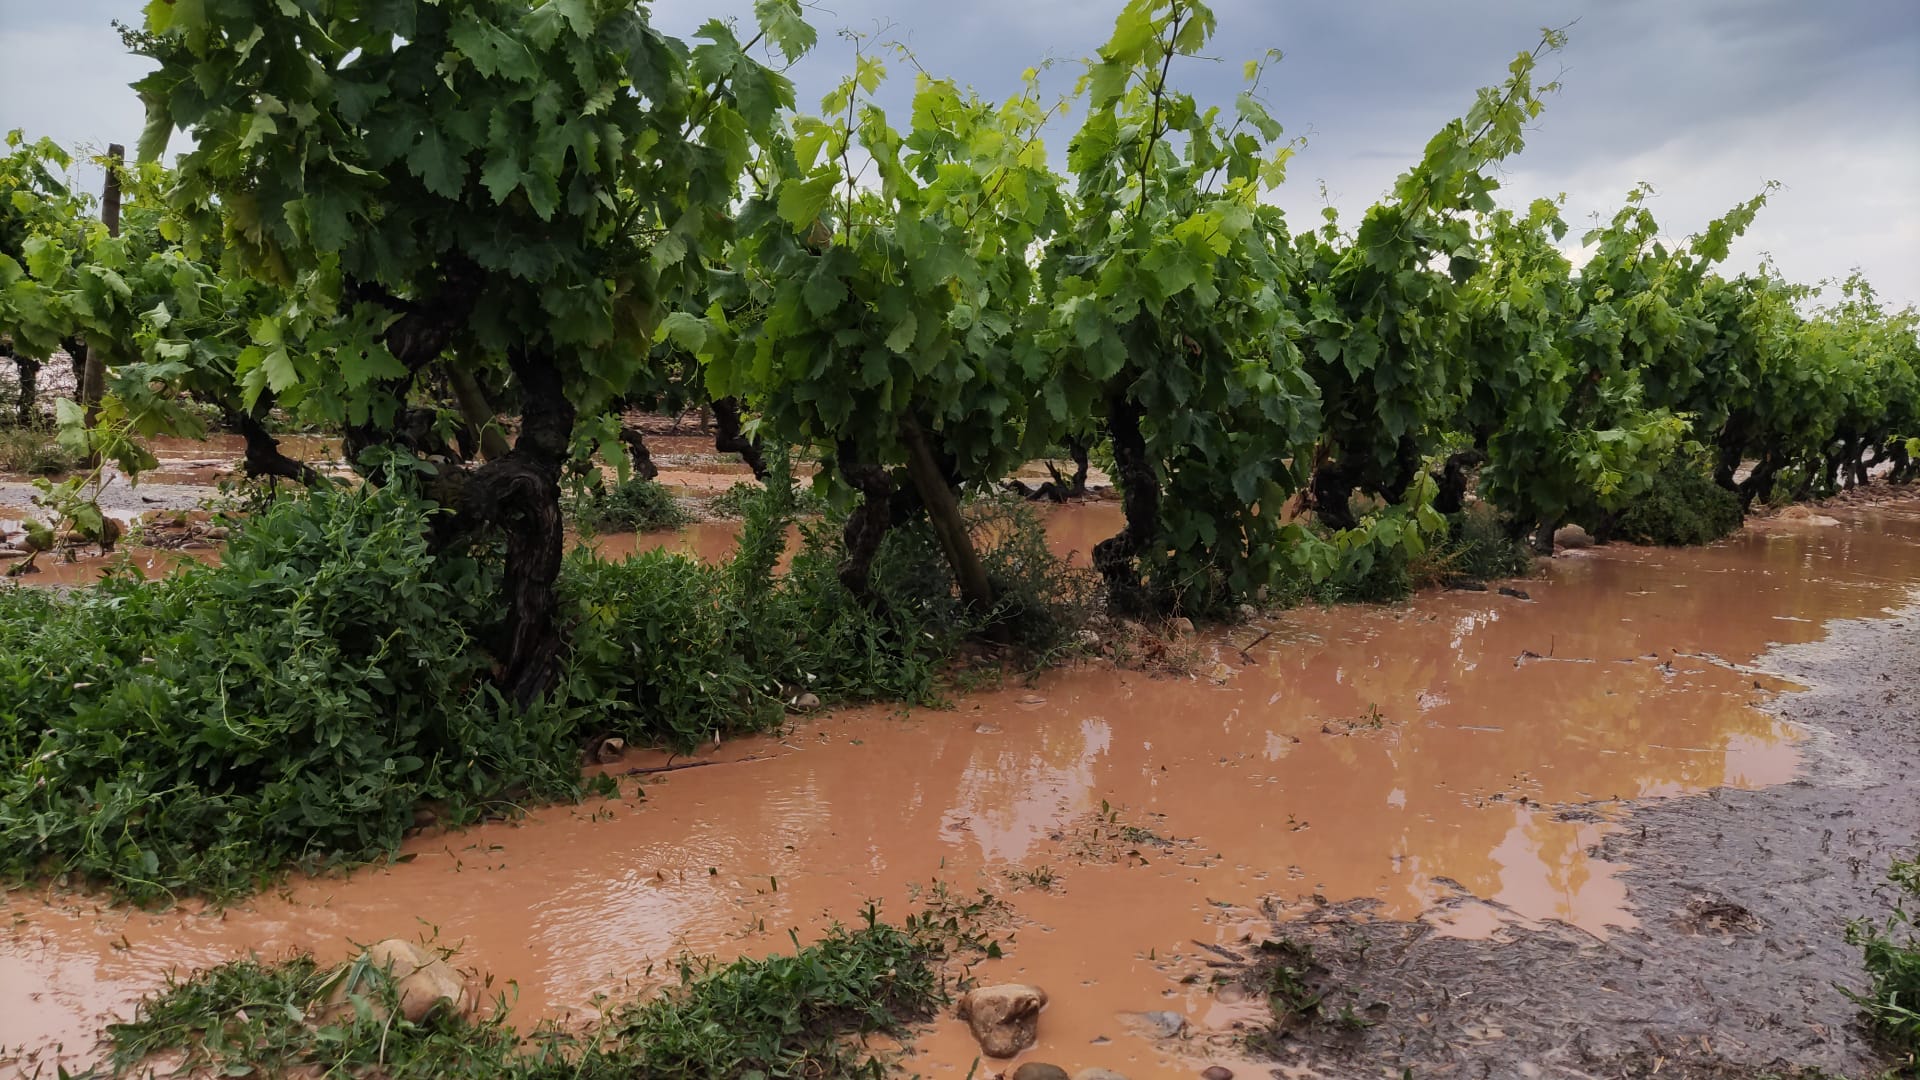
pixel 1455 758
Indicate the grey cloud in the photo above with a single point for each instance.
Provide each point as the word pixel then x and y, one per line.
pixel 1707 99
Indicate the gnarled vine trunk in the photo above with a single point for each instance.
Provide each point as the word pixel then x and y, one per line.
pixel 477 412
pixel 26 410
pixel 1116 557
pixel 867 525
pixel 943 511
pixel 1451 494
pixel 1331 493
pixel 263 457
pixel 519 494
pixel 728 438
pixel 638 456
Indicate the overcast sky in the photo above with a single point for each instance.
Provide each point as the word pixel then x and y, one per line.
pixel 1704 99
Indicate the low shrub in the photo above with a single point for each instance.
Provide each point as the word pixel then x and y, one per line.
pixel 733 502
pixel 289 706
pixel 1683 508
pixel 632 505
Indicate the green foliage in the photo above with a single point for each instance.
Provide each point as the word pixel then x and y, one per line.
pixel 631 505
pixel 736 501
pixel 1166 316
pixel 34 452
pixel 1380 320
pixel 542 174
pixel 803 1014
pixel 1372 562
pixel 1892 954
pixel 1682 507
pixel 668 650
pixel 1481 546
pixel 785 1015
pixel 290 706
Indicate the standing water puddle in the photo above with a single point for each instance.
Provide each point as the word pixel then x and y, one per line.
pixel 1453 758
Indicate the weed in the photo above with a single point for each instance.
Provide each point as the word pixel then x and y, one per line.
pixel 1891 951
pixel 1290 988
pixel 286 707
pixel 736 501
pixel 1481 546
pixel 34 452
pixel 632 505
pixel 1684 507
pixel 794 1015
pixel 1040 877
pixel 290 706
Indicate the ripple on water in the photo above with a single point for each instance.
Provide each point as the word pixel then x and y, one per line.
pixel 1455 758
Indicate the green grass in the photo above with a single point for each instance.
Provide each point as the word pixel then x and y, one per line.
pixel 632 505
pixel 1891 951
pixel 34 452
pixel 735 501
pixel 802 1014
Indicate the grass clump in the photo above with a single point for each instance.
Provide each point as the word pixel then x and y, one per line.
pixel 1684 507
pixel 632 505
pixel 288 707
pixel 1891 949
pixel 34 452
pixel 736 501
pixel 799 1015
pixel 1481 546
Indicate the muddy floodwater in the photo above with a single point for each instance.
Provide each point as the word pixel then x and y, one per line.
pixel 1457 759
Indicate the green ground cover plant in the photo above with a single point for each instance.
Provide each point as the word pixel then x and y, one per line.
pixel 800 1014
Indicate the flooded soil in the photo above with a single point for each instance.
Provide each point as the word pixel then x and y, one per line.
pixel 1460 766
pixel 1742 898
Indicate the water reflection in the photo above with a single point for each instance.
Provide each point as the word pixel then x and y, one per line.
pixel 1399 754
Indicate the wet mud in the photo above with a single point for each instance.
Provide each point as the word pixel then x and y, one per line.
pixel 1473 767
pixel 1742 897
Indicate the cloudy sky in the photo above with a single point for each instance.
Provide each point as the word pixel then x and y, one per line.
pixel 1706 100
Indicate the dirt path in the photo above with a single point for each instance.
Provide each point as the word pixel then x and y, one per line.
pixel 1742 898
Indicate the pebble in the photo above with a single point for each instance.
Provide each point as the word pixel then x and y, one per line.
pixel 1216 1072
pixel 1039 1070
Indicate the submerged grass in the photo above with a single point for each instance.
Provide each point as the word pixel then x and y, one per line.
pixel 800 1015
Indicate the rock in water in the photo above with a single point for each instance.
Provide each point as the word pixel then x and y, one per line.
pixel 1039 1070
pixel 1216 1072
pixel 1004 1019
pixel 1098 1074
pixel 1572 537
pixel 423 981
pixel 1162 1024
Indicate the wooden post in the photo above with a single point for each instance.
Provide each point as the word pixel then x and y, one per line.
pixel 93 380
